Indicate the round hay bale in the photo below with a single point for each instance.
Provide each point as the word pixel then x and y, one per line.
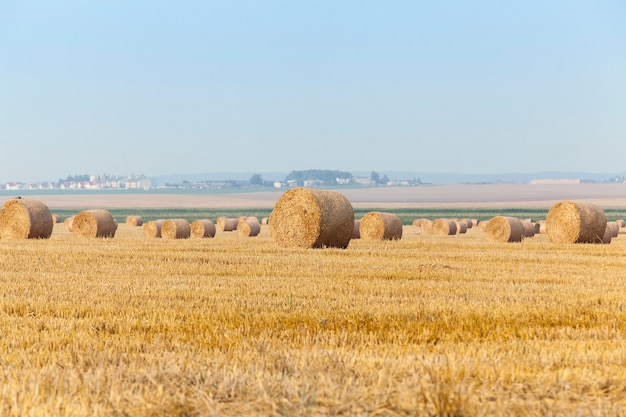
pixel 202 228
pixel 265 220
pixel 248 227
pixel 505 229
pixel 356 231
pixel 468 223
pixel 153 228
pixel 614 228
pixel 461 226
pixel 573 222
pixel 56 218
pixel 529 228
pixel 608 235
pixel 94 223
pixel 226 224
pixel 69 223
pixel 25 218
pixel 311 218
pixel 134 220
pixel 482 225
pixel 427 226
pixel 417 223
pixel 175 229
pixel 377 225
pixel 443 227
pixel 621 223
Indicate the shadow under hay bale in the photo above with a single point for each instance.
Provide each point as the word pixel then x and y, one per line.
pixel 153 228
pixel 25 218
pixel 311 218
pixel 573 222
pixel 134 220
pixel 202 228
pixel 176 229
pixel 95 223
pixel 505 229
pixel 377 225
pixel 249 227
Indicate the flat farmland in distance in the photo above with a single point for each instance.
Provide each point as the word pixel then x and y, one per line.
pixel 426 325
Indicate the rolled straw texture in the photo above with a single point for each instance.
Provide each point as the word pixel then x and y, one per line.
pixel 427 226
pixel 202 228
pixel 461 226
pixel 574 222
pixel 134 220
pixel 505 229
pixel 175 229
pixel 153 228
pixel 249 227
pixel 25 218
pixel 311 218
pixel 443 227
pixel 608 235
pixel 226 224
pixel 377 225
pixel 614 227
pixel 94 223
pixel 482 225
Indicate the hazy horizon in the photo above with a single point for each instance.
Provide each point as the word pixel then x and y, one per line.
pixel 169 88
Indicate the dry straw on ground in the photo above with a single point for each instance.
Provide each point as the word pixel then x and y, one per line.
pixel 153 228
pixel 505 229
pixel 134 220
pixel 249 227
pixel 311 218
pixel 25 218
pixel 377 225
pixel 443 227
pixel 175 229
pixel 226 224
pixel 202 228
pixel 575 222
pixel 94 223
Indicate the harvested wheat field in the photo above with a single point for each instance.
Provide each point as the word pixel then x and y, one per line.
pixel 424 325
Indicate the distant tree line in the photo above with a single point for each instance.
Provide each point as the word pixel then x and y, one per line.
pixel 324 176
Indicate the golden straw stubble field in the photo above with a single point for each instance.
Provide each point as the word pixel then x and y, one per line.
pixel 230 325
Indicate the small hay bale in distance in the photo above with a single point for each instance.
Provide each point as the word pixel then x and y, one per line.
pixel 427 226
pixel 153 228
pixel 608 235
pixel 134 220
pixel 377 225
pixel 614 228
pixel 69 223
pixel 505 229
pixel 95 223
pixel 25 218
pixel 226 224
pixel 621 223
pixel 249 227
pixel 461 226
pixel 575 222
pixel 175 229
pixel 443 227
pixel 356 231
pixel 482 225
pixel 202 228
pixel 56 218
pixel 312 218
pixel 529 228
pixel 265 220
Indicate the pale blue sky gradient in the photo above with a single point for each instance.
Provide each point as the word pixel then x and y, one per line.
pixel 164 87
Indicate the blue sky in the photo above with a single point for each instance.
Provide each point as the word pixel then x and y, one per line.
pixel 164 87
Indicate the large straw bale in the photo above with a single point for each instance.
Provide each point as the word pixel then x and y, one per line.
pixel 443 227
pixel 202 228
pixel 226 224
pixel 248 227
pixel 505 229
pixel 377 225
pixel 175 229
pixel 25 218
pixel 94 223
pixel 311 218
pixel 134 220
pixel 608 235
pixel 153 228
pixel 575 222
pixel 529 228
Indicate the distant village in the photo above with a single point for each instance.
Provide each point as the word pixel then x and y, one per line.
pixel 308 178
